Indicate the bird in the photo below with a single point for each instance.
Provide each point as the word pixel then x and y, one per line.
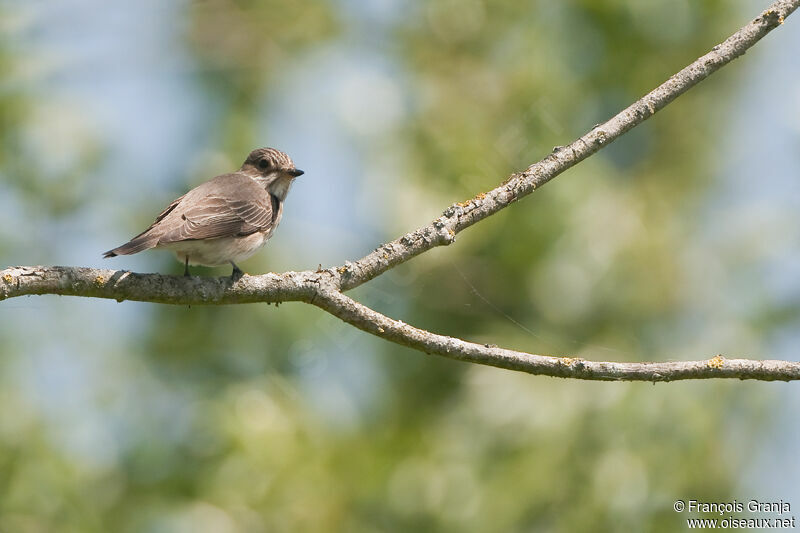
pixel 224 220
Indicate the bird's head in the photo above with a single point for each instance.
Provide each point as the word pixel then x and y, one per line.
pixel 273 169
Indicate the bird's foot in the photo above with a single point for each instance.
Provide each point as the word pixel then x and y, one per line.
pixel 237 272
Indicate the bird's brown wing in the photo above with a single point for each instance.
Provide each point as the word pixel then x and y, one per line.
pixel 162 215
pixel 228 206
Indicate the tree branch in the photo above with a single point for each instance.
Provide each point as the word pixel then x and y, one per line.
pixel 398 332
pixel 324 288
pixel 460 216
pixel 122 285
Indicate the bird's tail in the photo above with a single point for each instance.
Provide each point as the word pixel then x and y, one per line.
pixel 135 245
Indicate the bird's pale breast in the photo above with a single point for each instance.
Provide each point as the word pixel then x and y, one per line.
pixel 220 251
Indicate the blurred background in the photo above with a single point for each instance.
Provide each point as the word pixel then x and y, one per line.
pixel 679 241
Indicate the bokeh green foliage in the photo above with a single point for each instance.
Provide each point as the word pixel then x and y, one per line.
pixel 229 419
pixel 242 47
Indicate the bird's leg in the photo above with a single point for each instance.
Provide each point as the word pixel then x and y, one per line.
pixel 237 272
pixel 186 267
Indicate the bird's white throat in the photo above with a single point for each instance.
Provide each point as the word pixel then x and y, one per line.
pixel 280 186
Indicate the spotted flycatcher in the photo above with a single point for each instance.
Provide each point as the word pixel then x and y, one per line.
pixel 224 220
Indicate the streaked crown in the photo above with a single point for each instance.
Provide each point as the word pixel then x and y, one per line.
pixel 268 160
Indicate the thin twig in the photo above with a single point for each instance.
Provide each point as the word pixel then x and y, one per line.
pixel 398 332
pixel 460 216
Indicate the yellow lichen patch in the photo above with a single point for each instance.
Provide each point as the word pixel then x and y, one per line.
pixel 8 278
pixel 716 362
pixel 99 281
pixel 575 363
pixel 478 197
pixel 342 270
pixel 780 19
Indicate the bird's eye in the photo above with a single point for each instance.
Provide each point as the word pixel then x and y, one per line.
pixel 263 164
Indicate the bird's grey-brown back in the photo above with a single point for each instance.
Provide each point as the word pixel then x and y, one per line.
pixel 224 219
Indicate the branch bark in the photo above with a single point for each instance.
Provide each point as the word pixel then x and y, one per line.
pixel 371 321
pixel 324 288
pixel 460 216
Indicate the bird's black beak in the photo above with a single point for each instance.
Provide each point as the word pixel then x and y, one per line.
pixel 295 172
